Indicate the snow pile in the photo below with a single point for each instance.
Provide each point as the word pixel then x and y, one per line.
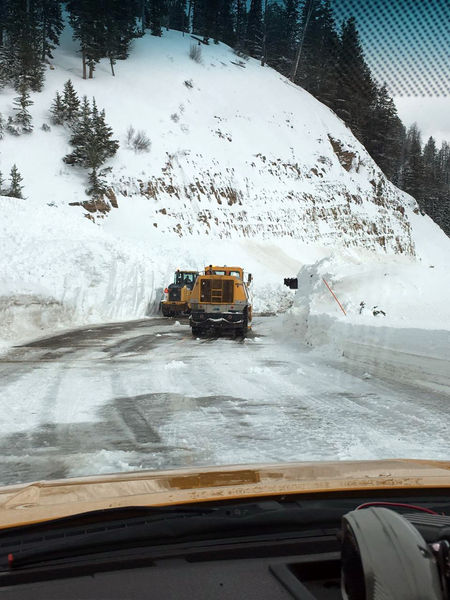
pixel 397 309
pixel 57 270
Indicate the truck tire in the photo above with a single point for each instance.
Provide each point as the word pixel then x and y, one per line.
pixel 242 331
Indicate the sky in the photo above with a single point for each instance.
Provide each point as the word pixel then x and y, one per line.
pixel 407 46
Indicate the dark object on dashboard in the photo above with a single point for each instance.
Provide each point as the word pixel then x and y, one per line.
pixel 385 557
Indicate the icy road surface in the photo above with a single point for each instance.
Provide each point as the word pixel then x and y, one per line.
pixel 146 395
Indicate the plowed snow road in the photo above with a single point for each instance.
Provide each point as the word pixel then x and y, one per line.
pixel 145 394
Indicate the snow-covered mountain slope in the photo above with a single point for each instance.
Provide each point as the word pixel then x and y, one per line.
pixel 243 168
pixel 236 150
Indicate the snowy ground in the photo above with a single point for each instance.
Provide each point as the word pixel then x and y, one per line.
pixel 146 395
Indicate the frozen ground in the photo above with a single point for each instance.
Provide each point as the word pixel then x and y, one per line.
pixel 145 395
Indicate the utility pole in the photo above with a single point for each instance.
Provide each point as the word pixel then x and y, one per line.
pixel 310 5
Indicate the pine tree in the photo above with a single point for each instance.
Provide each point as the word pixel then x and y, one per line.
pixel 104 146
pixel 355 89
pixel 241 25
pixel 71 102
pixel 23 117
pixel 413 167
pixel 11 127
pixel 385 133
pixel 429 197
pixel 81 136
pixel 97 184
pixel 225 23
pixel 15 189
pixel 156 13
pixel 24 44
pixel 176 18
pixel 255 29
pixel 317 69
pixel 2 126
pixel 57 110
pixel 281 30
pixel 87 30
pixel 2 183
pixel 92 138
pixel 52 24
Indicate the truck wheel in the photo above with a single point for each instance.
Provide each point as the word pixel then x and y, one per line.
pixel 244 330
pixel 196 331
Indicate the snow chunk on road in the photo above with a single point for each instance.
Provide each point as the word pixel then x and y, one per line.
pixel 175 365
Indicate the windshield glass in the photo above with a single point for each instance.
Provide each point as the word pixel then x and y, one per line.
pixel 305 142
pixel 184 278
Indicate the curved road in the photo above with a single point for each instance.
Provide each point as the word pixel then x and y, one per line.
pixel 145 394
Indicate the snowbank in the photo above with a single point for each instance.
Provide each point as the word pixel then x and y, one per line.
pixel 59 271
pixel 397 309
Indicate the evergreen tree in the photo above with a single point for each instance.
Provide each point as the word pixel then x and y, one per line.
pixel 413 167
pixel 23 45
pixel 430 193
pixel 3 17
pixel 88 31
pixel 52 25
pixel 385 134
pixel 15 189
pixel 199 17
pixel 71 102
pixel 57 110
pixel 254 35
pixel 274 32
pixel 81 136
pixel 29 31
pixel 156 14
pixel 23 117
pixel 281 33
pixel 104 30
pixel 2 183
pixel 102 144
pixel 97 184
pixel 11 127
pixel 7 53
pixel 205 20
pixel 92 138
pixel 241 24
pixel 225 23
pixel 355 89
pixel 176 15
pixel 2 126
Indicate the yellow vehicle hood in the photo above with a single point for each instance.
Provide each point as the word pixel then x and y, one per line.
pixel 46 500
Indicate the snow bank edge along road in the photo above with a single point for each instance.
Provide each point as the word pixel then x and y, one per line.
pixel 397 321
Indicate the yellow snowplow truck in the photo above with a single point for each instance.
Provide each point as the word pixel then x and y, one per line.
pixel 220 302
pixel 178 293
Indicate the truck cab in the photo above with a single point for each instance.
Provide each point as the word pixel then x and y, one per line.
pixel 220 302
pixel 178 293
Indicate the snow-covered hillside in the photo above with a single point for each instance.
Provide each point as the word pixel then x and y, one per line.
pixel 236 149
pixel 243 168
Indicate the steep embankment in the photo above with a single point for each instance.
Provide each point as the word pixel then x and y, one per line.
pixel 238 154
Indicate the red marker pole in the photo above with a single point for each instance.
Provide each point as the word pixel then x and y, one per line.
pixel 334 296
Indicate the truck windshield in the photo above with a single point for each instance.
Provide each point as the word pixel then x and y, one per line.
pixel 184 278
